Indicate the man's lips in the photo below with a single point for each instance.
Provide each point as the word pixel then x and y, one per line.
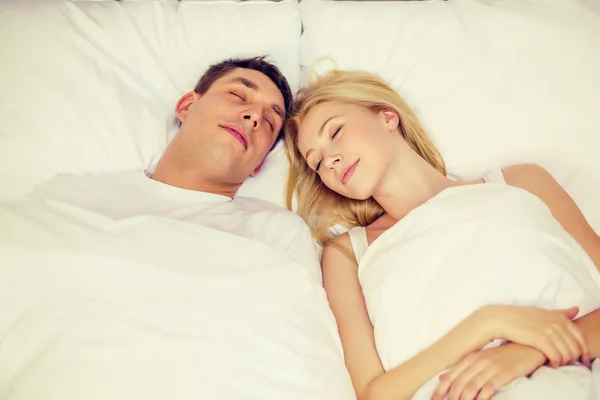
pixel 238 134
pixel 348 171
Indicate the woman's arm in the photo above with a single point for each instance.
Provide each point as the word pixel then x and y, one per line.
pixel 482 373
pixel 519 324
pixel 340 279
pixel 538 181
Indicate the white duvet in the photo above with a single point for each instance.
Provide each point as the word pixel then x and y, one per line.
pixel 465 248
pixel 156 308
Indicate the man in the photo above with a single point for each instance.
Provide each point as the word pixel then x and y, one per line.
pixel 229 123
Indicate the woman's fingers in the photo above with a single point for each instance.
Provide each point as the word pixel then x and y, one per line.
pixel 569 313
pixel 442 387
pixel 557 338
pixel 547 346
pixel 447 379
pixel 562 344
pixel 470 380
pixel 572 345
pixel 496 382
pixel 468 386
pixel 581 342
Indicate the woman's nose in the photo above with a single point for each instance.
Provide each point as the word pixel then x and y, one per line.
pixel 333 161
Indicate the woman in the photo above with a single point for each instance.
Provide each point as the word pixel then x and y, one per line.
pixel 359 158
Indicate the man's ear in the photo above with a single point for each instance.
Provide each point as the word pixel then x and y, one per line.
pixel 257 169
pixel 183 105
pixel 391 118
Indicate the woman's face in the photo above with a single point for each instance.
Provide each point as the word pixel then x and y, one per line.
pixel 349 146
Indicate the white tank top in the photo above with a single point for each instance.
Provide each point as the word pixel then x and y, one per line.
pixel 358 234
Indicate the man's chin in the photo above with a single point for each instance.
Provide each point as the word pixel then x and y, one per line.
pixel 235 180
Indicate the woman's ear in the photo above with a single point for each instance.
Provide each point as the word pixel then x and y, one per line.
pixel 391 118
pixel 183 105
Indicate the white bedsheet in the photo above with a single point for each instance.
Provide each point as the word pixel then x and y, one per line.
pixel 155 308
pixel 563 383
pixel 466 248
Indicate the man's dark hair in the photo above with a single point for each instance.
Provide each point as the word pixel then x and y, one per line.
pixel 259 64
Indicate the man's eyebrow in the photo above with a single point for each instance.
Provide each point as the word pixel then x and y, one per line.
pixel 246 82
pixel 251 85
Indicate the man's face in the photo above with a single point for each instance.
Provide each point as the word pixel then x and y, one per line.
pixel 231 128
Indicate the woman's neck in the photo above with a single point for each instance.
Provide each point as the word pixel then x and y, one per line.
pixel 410 182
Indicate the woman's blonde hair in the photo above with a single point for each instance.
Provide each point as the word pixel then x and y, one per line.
pixel 318 205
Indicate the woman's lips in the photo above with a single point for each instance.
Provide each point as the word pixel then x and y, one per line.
pixel 348 171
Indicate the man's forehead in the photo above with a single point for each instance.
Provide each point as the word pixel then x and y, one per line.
pixel 260 81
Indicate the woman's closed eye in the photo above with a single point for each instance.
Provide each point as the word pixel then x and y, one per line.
pixel 335 133
pixel 318 165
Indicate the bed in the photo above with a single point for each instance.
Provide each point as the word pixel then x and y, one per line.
pixel 152 309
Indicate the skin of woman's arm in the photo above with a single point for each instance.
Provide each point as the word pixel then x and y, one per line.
pixel 536 180
pixel 340 279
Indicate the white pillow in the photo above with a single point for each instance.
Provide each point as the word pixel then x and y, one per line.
pixel 493 82
pixel 90 86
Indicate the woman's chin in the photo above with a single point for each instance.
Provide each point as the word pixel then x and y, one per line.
pixel 357 196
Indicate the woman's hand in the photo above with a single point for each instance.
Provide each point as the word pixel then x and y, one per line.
pixel 550 331
pixel 479 375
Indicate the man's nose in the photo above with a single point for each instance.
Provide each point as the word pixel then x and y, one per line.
pixel 253 121
pixel 252 115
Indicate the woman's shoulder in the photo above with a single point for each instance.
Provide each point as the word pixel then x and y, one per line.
pixel 341 244
pixel 518 175
pixel 341 239
pixel 525 172
pixel 538 181
pixel 533 178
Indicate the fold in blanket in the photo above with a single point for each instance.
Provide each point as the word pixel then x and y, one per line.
pixel 156 308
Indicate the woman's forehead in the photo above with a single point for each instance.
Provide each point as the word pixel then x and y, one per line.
pixel 323 111
pixel 329 110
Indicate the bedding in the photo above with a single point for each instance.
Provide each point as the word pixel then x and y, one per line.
pixel 467 247
pixel 570 382
pixel 106 296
